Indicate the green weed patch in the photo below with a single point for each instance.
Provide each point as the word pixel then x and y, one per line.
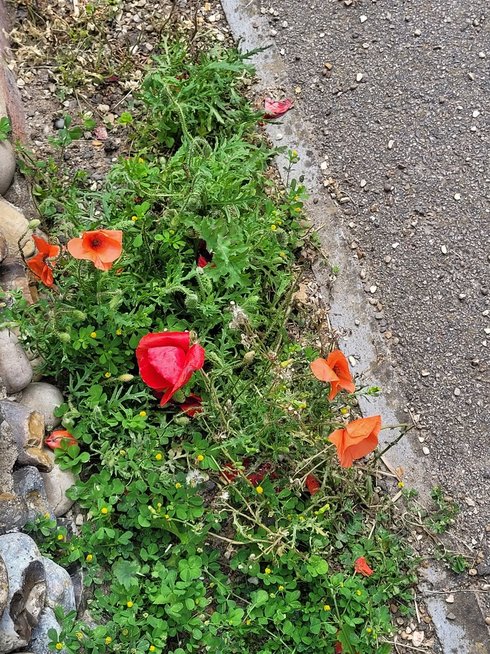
pixel 227 525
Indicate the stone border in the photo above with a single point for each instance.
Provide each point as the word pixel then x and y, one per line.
pixel 465 631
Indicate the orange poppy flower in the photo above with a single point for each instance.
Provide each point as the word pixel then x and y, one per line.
pixel 39 264
pixel 334 370
pixel 361 567
pixel 102 247
pixel 357 439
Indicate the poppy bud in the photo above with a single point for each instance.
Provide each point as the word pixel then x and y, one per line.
pixel 205 283
pixel 179 396
pixel 64 337
pixel 191 301
pixel 34 223
pixel 78 315
pixel 126 377
pixel 182 420
pixel 248 357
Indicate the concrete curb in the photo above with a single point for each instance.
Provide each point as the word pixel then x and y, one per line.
pixel 467 633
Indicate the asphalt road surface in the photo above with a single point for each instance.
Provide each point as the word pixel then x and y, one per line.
pixel 398 94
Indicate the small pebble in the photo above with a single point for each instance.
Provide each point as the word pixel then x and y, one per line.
pixel 363 18
pixel 391 143
pixel 443 249
pixel 457 392
pixel 472 572
pixel 425 450
pixel 359 77
pixel 451 616
pixel 450 599
pixel 457 196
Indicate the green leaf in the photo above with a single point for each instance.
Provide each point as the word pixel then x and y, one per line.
pixel 125 572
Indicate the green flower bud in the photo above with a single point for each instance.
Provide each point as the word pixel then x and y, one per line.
pixel 182 420
pixel 64 337
pixel 78 315
pixel 125 378
pixel 248 357
pixel 34 223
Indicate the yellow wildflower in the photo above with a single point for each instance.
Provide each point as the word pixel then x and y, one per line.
pixel 107 375
pixel 267 571
pixel 108 640
pixel 158 456
pixel 129 604
pixel 93 334
pixel 327 607
pixel 142 414
pixel 104 510
pixel 89 558
pixel 259 490
pixel 200 457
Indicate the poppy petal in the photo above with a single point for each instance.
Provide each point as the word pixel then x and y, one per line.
pixel 276 108
pixel 160 339
pixel 36 264
pixel 322 371
pixel 76 249
pixel 167 362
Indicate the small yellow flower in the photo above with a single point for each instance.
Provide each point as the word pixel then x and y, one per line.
pixel 178 485
pixel 259 490
pixel 125 632
pixel 294 153
pixel 158 456
pixel 327 607
pixel 60 537
pixel 141 160
pixel 272 595
pixel 200 457
pixel 166 516
pixel 267 571
pixel 89 558
pixel 108 640
pixel 152 648
pixel 122 452
pixel 283 255
pixel 59 646
pixel 93 334
pixel 400 484
pixel 107 375
pixel 79 635
pixel 273 228
pixel 369 630
pixel 344 410
pixel 129 604
pixel 301 518
pixel 47 515
pixel 104 510
pixel 134 218
pixel 280 588
pixel 159 505
pixel 297 209
pixel 359 593
pixel 302 405
pixel 142 414
pixel 118 331
pixel 248 621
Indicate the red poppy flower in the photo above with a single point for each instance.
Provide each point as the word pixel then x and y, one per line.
pixel 202 262
pixel 276 108
pixel 334 370
pixel 312 484
pixel 338 648
pixel 361 567
pixel 167 361
pixel 102 247
pixel 203 256
pixel 58 438
pixel 39 264
pixel 357 439
pixel 192 405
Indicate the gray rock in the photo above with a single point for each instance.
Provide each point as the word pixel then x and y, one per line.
pixel 15 228
pixel 7 166
pixel 45 398
pixel 29 484
pixel 4 248
pixel 13 512
pixel 15 367
pixel 8 457
pixel 26 593
pixel 27 429
pixel 40 639
pixel 4 585
pixel 56 483
pixel 59 587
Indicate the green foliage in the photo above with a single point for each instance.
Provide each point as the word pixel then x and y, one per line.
pixel 199 533
pixel 4 128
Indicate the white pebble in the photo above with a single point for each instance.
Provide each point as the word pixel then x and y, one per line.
pixel 391 143
pixel 363 18
pixel 457 196
pixel 359 77
pixel 425 450
pixel 457 391
pixel 443 249
pixel 363 183
pixel 476 113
